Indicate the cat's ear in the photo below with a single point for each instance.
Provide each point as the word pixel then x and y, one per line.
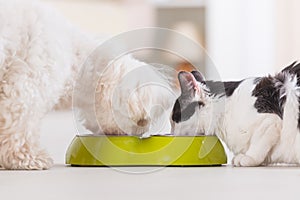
pixel 198 76
pixel 188 83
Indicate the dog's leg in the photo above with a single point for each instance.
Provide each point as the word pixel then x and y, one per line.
pixel 25 97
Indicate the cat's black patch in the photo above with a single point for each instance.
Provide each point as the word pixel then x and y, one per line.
pixel 198 76
pixel 217 87
pixel 222 88
pixel 230 87
pixel 268 92
pixel 180 115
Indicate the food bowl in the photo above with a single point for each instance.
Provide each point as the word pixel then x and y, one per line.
pixel 92 150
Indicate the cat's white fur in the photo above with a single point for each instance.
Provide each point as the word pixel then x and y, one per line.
pixel 254 138
pixel 40 57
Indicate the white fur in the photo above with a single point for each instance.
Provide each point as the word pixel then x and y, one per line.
pixel 254 138
pixel 131 98
pixel 40 57
pixel 288 147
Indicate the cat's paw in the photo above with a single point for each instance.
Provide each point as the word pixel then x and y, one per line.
pixel 27 160
pixel 242 160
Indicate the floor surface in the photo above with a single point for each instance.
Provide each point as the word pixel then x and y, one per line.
pixel 63 182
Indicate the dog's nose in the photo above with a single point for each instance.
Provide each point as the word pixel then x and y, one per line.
pixel 143 122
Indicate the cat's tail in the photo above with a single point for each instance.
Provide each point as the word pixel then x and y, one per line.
pixel 290 96
pixel 293 68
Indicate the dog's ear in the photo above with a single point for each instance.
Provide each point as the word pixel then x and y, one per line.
pixel 188 83
pixel 198 76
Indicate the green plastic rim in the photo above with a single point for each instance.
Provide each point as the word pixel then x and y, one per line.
pixel 153 151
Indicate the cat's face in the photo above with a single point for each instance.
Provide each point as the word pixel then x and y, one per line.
pixel 186 113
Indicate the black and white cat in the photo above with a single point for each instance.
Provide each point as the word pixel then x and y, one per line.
pixel 257 118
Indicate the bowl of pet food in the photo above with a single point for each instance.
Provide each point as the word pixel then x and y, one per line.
pixel 157 150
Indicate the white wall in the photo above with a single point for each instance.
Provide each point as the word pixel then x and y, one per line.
pixel 105 17
pixel 240 37
pixel 244 37
pixel 287 32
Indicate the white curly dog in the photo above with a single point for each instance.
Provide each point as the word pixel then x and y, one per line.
pixel 40 58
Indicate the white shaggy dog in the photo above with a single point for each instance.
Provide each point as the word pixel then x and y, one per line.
pixel 40 57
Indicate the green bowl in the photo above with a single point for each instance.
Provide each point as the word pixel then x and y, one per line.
pixel 153 151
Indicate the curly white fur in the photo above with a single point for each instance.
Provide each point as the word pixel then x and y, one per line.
pixel 40 57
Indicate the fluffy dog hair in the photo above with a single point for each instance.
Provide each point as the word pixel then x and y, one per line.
pixel 40 59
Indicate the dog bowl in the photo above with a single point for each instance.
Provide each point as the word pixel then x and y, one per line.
pixel 91 150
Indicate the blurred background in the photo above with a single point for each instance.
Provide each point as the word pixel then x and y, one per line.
pixel 243 38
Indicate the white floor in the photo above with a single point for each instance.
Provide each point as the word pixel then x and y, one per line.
pixel 57 132
pixel 64 182
pixel 169 183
